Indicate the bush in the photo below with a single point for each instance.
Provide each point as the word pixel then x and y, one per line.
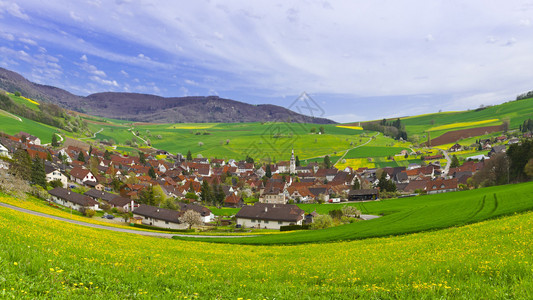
pixel 294 227
pixel 322 222
pixel 89 213
pixel 39 192
pixel 55 183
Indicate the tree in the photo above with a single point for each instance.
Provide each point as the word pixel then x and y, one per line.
pixel 219 194
pixel 205 192
pixel 38 176
pixel 147 196
pixel 151 173
pixel 321 130
pixel 159 195
pixel 268 171
pixel 322 221
pixel 494 172
pixel 528 168
pixel 313 130
pixel 455 162
pixel 81 157
pixel 55 142
pixel 386 185
pixel 142 158
pixel 90 151
pixel 189 155
pixel 191 218
pixel 22 165
pixel 327 162
pixel 350 211
pixel 356 184
pixel 297 161
pixel 249 159
pixel 519 156
pixel 107 155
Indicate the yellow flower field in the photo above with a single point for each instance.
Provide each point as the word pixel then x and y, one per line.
pixel 350 127
pixel 47 258
pixel 462 124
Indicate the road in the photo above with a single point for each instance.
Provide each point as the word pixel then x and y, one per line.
pixel 448 163
pixel 145 233
pixel 94 135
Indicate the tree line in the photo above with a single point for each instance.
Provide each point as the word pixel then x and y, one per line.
pixel 394 129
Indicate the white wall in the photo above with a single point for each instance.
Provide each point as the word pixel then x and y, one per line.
pixel 160 223
pixel 263 223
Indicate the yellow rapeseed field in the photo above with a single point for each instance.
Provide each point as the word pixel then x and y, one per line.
pixel 462 124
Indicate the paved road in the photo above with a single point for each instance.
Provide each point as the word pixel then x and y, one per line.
pixel 448 163
pixel 145 233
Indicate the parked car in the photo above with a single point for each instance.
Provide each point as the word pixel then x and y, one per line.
pixel 108 216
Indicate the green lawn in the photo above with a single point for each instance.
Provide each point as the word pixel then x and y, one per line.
pixel 408 215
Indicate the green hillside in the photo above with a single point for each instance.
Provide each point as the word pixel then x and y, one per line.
pixel 408 215
pixel 515 111
pixel 44 258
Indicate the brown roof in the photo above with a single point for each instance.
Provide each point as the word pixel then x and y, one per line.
pixel 69 196
pixel 158 213
pixel 441 184
pixel 79 172
pixel 273 212
pixel 96 194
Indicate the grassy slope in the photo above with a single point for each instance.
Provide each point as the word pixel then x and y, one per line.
pixel 515 111
pixel 415 215
pixel 46 258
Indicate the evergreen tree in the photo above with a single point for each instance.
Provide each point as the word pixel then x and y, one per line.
pixel 297 161
pixel 189 155
pixel 107 155
pixel 142 158
pixel 268 171
pixel 38 175
pixel 81 157
pixel 220 196
pixel 90 150
pixel 151 172
pixel 249 160
pixel 147 196
pixel 205 192
pixel 455 162
pixel 327 162
pixel 356 185
pixel 55 142
pixel 22 165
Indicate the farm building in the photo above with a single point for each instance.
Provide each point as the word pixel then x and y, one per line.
pixel 270 216
pixel 159 217
pixel 72 200
pixel 365 194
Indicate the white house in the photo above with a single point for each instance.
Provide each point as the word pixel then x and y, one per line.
pixel 4 152
pixel 55 174
pixel 159 217
pixel 79 175
pixel 270 216
pixel 72 200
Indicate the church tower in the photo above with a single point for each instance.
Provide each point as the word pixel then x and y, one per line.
pixel 292 165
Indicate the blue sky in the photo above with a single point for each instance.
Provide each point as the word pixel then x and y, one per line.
pixel 359 60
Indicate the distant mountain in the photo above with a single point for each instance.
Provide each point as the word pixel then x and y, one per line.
pixel 151 108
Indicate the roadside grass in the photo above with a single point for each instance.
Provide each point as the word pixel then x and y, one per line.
pixel 409 215
pixel 43 258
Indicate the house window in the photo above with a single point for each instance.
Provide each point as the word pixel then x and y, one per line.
pixel 166 222
pixel 253 221
pixel 279 222
pixel 258 221
pixel 266 222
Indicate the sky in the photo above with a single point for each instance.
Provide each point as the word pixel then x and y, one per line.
pixel 357 60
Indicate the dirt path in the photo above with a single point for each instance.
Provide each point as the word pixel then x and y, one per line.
pixel 369 140
pixel 145 233
pixel 94 135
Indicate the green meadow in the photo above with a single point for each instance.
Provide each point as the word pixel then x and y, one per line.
pixel 44 258
pixel 409 215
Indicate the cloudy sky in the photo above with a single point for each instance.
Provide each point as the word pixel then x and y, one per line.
pixel 359 60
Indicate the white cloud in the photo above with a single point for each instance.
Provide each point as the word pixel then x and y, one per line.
pixel 104 81
pixel 13 9
pixel 7 36
pixel 191 82
pixel 75 17
pixel 91 69
pixel 83 57
pixel 28 41
pixel 124 73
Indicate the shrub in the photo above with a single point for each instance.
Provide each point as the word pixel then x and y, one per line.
pixel 294 227
pixel 89 213
pixel 322 221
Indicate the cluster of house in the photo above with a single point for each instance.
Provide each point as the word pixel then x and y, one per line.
pixel 178 177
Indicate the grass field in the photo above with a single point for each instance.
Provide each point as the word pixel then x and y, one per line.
pixel 515 111
pixel 43 258
pixel 408 215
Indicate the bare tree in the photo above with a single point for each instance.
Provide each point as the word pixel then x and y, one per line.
pixel 192 218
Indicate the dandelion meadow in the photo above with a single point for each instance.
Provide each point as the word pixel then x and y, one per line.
pixel 47 258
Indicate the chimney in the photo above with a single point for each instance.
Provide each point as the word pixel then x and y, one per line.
pixel 68 193
pixel 266 209
pixel 158 210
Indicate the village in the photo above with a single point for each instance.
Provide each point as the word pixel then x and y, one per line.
pixel 174 192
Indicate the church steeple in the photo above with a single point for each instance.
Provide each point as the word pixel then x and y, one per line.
pixel 292 164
